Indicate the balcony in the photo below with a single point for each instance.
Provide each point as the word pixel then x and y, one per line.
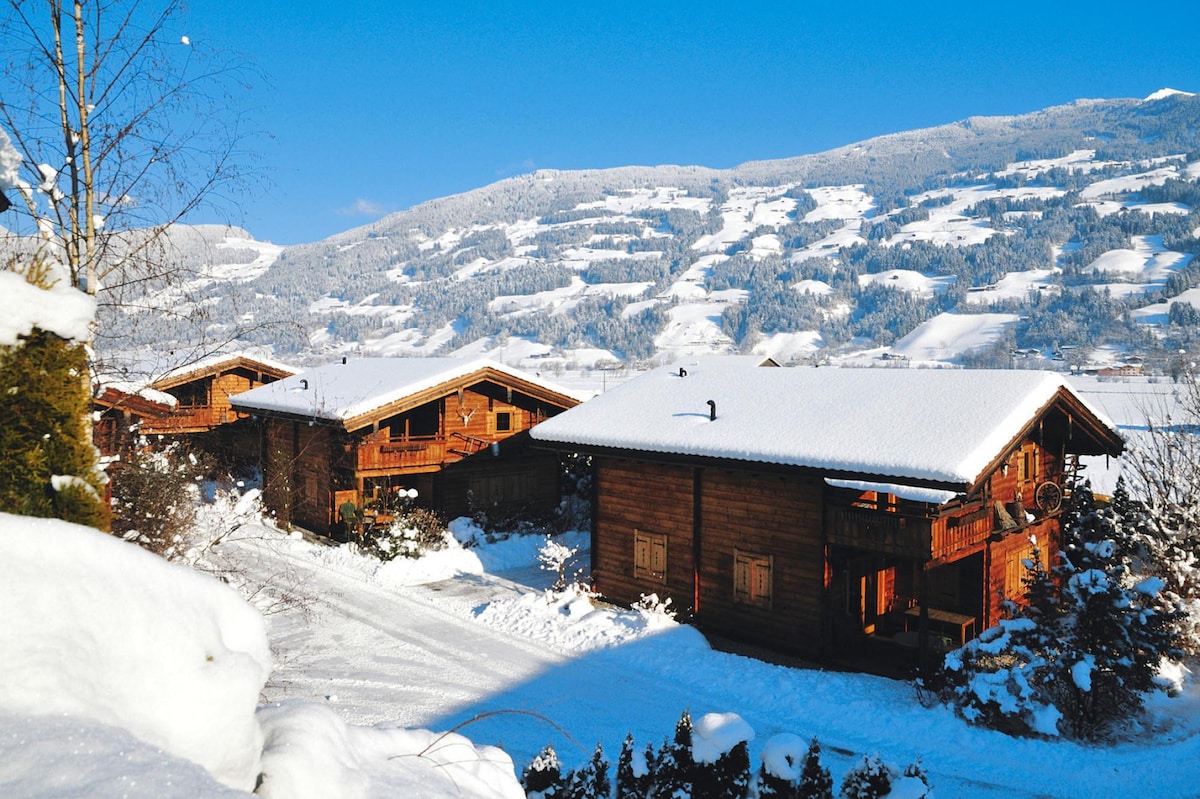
pixel 881 532
pixel 909 536
pixel 416 452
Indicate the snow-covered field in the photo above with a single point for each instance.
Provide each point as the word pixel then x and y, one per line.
pixel 470 640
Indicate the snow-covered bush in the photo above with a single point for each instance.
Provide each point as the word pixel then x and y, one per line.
pixel 414 531
pixel 590 781
pixel 154 496
pixel 868 779
pixel 543 778
pixel 633 771
pixel 792 770
pixel 657 612
pixel 674 767
pixel 721 757
pixel 554 557
pixel 49 463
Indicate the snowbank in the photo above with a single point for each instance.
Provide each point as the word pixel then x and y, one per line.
pixel 101 629
pixel 123 675
pixel 312 754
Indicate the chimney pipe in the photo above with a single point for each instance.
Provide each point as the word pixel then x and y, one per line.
pixel 303 384
pixel 343 360
pixel 682 372
pixel 712 411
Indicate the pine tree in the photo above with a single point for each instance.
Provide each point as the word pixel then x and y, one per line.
pixel 869 779
pixel 728 777
pixel 50 465
pixel 590 781
pixel 771 786
pixel 674 768
pixel 633 772
pixel 815 780
pixel 543 778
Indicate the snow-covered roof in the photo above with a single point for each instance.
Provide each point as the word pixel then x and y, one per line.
pixel 343 391
pixel 217 362
pixel 934 426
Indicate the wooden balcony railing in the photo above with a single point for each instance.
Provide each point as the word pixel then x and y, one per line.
pixel 909 536
pixel 885 533
pixel 413 452
pixel 190 420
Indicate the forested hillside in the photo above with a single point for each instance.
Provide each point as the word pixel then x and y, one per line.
pixel 1069 233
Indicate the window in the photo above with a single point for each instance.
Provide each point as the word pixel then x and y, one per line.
pixel 1015 572
pixel 503 422
pixel 650 556
pixel 1027 463
pixel 752 578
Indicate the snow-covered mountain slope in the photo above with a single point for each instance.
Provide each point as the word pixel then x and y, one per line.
pixel 1068 227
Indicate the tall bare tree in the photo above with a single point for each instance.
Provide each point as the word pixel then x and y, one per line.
pixel 125 127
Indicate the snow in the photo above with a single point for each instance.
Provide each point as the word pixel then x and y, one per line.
pixel 714 734
pixel 446 653
pixel 10 162
pixel 364 668
pixel 123 675
pixel 921 424
pixel 1129 183
pixel 112 633
pixel 783 755
pixel 217 361
pixel 910 281
pixel 788 347
pixel 914 493
pixel 949 335
pixel 840 202
pixel 1013 286
pixel 342 391
pixel 1167 92
pixel 61 310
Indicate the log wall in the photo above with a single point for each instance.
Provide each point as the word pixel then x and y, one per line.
pixel 767 515
pixel 653 498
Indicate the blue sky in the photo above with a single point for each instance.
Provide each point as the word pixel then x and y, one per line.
pixel 374 106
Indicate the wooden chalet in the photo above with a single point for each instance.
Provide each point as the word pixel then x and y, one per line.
pixel 118 415
pixel 813 510
pixel 361 430
pixel 189 403
pixel 202 392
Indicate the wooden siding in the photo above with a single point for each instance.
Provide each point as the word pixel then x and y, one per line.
pixel 448 430
pixel 204 402
pixel 964 531
pixel 655 498
pixel 773 517
pixel 298 484
pixel 1000 565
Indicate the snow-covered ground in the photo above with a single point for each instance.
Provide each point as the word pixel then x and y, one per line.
pixel 377 648
pixel 470 640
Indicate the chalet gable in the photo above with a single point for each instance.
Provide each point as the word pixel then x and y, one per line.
pixel 360 392
pixel 938 429
pixel 259 370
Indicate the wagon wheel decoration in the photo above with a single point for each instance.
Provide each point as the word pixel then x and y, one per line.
pixel 1048 497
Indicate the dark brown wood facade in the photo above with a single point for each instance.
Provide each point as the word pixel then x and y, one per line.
pixel 781 557
pixel 462 446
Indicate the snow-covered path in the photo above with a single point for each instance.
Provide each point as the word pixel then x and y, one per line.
pixel 423 656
